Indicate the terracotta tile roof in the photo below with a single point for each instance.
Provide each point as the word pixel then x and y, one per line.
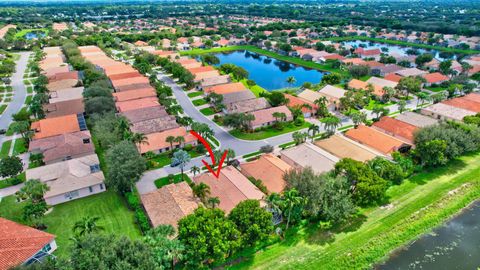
pixel 222 79
pixel 435 77
pixel 370 52
pixel 231 187
pixel 334 56
pixel 135 94
pixel 411 72
pixel 61 146
pixel 237 96
pixel 294 101
pixel 73 75
pixel 344 148
pixel 134 104
pixel 197 70
pixel 226 88
pixel 269 169
pixel 55 70
pixel 129 81
pixel 143 114
pixel 464 103
pixel 62 84
pixel 154 125
pixel 373 138
pixel 473 97
pixel 169 204
pixel 373 64
pixel 55 126
pixel 19 243
pixel 393 77
pixel 249 105
pixel 126 75
pixel 208 74
pixel 265 116
pixel 62 108
pixel 132 87
pixel 156 141
pixel 396 128
pixel 354 61
pixel 361 85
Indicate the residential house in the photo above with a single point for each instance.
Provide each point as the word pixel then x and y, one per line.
pixel 64 108
pixel 203 72
pixel 71 179
pixel 342 147
pixel 333 95
pixel 416 119
pixel 444 111
pixel 154 125
pixel 393 77
pixel 265 117
pixel 377 140
pixel 381 82
pixel 231 187
pixel 308 108
pixel 57 125
pixel 134 94
pixel 23 245
pixel 269 169
pixel 237 97
pixel 410 72
pixel 369 53
pixel 310 95
pixel 156 142
pixel 63 147
pixel 134 104
pixel 169 204
pixel 434 78
pixel 308 155
pixel 464 103
pixel 142 114
pixel 396 128
pixel 361 85
pixel 66 94
pixel 246 106
pixel 226 88
pixel 212 81
pixel 383 70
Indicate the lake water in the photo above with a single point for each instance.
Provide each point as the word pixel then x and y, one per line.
pixel 393 48
pixel 455 245
pixel 34 35
pixel 270 73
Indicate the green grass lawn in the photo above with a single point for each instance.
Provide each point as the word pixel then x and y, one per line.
pixel 160 182
pixel 3 108
pixel 29 89
pixel 26 31
pixel 19 147
pixel 294 60
pixel 114 215
pixel 5 149
pixel 28 100
pixel 436 88
pixel 207 111
pixel 417 205
pixel 373 102
pixel 195 94
pixel 199 102
pixel 256 89
pixel 268 132
pixel 10 181
pixel 163 159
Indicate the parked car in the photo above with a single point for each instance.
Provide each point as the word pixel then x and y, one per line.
pixel 2 131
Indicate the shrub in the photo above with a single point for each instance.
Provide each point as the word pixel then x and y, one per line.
pixel 188 147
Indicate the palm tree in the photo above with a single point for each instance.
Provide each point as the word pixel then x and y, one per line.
pixel 180 140
pixel 358 118
pixel 170 140
pixel 87 225
pixel 213 202
pixel 422 97
pixel 331 123
pixel 161 239
pixel 201 190
pixel 274 203
pixel 123 125
pixel 181 158
pixel 291 81
pixel 230 155
pixel 195 170
pixel 291 199
pixel 322 106
pixel 314 129
pixel 138 139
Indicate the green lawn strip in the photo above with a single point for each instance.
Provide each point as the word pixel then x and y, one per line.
pixel 114 215
pixel 360 245
pixel 402 43
pixel 268 132
pixel 252 154
pixel 207 111
pixel 19 147
pixel 29 89
pixel 5 149
pixel 28 100
pixel 345 128
pixel 213 140
pixel 289 59
pixel 3 108
pixel 286 145
pixel 164 159
pixel 256 89
pixel 195 94
pixel 160 182
pixel 12 181
pixel 374 103
pixel 435 89
pixel 199 102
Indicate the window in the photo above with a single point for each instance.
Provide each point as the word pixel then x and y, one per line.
pixel 101 186
pixel 72 194
pixel 47 248
pixel 94 168
pixel 86 141
pixel 90 189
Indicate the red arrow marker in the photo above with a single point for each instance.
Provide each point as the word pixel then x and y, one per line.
pixel 209 148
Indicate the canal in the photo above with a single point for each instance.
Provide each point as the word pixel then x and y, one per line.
pixel 454 245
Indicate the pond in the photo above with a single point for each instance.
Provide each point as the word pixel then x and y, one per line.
pixel 454 245
pixel 395 49
pixel 34 35
pixel 270 73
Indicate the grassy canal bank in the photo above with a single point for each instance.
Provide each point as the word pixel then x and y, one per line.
pixel 415 207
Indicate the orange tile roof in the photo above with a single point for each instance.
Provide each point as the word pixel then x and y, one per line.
pixel 231 187
pixel 396 128
pixel 135 94
pixel 393 77
pixel 129 81
pixel 19 243
pixel 294 101
pixel 473 97
pixel 126 75
pixel 361 85
pixel 197 70
pixel 55 126
pixel 464 103
pixel 207 74
pixel 226 88
pixel 435 77
pixel 375 139
pixel 134 104
pixel 156 141
pixel 354 61
pixel 269 169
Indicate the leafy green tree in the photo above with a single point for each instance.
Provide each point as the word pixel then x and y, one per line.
pixel 87 225
pixel 125 166
pixel 35 206
pixel 331 78
pixel 210 59
pixel 166 249
pixel 387 170
pixel 402 104
pixel 99 105
pixel 208 237
pixel 202 191
pixel 252 221
pixel 446 67
pixel 358 71
pixel 358 118
pixel 331 123
pixel 10 166
pixel 409 85
pixel 277 98
pixel 423 59
pixel 432 153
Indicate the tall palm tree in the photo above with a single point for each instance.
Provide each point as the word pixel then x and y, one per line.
pixel 201 190
pixel 322 106
pixel 138 139
pixel 291 199
pixel 180 140
pixel 195 170
pixel 331 123
pixel 87 225
pixel 123 125
pixel 170 140
pixel 230 155
pixel 291 81
pixel 274 205
pixel 314 129
pixel 213 202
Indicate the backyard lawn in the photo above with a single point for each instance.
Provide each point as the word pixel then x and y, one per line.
pixel 114 215
pixel 372 104
pixel 199 102
pixel 268 132
pixel 195 94
pixel 415 207
pixel 256 89
pixel 207 111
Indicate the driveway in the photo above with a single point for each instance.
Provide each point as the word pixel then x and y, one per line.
pixel 20 91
